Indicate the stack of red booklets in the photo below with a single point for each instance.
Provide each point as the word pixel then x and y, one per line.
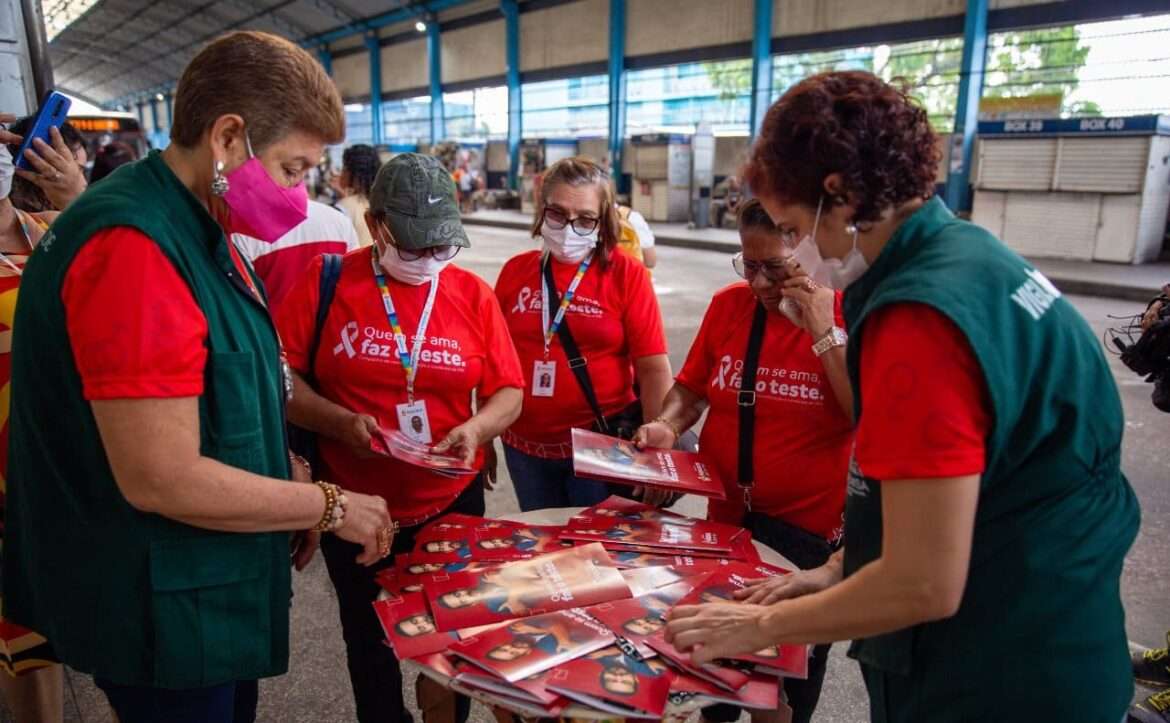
pixel 610 459
pixel 509 614
pixel 393 443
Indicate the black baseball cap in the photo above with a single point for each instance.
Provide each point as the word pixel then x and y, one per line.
pixel 416 196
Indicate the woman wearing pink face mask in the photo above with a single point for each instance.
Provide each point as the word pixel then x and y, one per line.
pixel 149 471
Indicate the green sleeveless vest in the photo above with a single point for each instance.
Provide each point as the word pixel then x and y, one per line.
pixel 132 597
pixel 1040 633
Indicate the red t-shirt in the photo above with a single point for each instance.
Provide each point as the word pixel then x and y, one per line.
pixel 925 410
pixel 134 326
pixel 467 349
pixel 615 320
pixel 802 438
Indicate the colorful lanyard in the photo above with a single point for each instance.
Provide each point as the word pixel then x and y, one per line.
pixel 550 330
pixel 409 359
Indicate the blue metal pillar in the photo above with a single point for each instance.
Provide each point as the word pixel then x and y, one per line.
pixel 375 51
pixel 511 13
pixel 617 86
pixel 435 66
pixel 154 115
pixel 958 195
pixel 325 58
pixel 141 115
pixel 761 65
pixel 169 102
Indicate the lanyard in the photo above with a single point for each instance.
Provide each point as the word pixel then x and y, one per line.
pixel 24 229
pixel 550 330
pixel 409 359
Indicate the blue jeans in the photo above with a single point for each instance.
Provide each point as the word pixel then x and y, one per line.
pixel 226 703
pixel 545 483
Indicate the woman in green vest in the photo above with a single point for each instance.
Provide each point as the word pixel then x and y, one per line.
pixel 149 494
pixel 987 517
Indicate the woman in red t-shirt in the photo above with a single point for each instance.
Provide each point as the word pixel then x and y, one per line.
pixel 408 342
pixel 802 432
pixel 612 315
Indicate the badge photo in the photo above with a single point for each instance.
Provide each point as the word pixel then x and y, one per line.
pixel 413 421
pixel 544 378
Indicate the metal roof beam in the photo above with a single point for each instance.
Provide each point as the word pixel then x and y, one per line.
pixel 329 9
pixel 403 12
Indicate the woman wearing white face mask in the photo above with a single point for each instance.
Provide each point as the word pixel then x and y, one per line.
pixel 605 302
pixel 986 515
pixel 407 340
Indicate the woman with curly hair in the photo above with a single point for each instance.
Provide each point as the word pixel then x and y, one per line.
pixel 986 516
pixel 359 165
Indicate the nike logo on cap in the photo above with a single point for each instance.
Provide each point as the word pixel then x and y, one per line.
pixel 434 199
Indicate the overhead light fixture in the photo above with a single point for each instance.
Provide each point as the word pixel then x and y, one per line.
pixel 158 96
pixel 420 26
pixel 60 14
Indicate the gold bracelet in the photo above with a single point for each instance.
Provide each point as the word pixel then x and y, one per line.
pixel 334 514
pixel 673 427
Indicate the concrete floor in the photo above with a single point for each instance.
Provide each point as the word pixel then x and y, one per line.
pixel 317 687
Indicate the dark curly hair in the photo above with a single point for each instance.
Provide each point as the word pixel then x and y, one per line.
pixel 26 195
pixel 853 123
pixel 361 162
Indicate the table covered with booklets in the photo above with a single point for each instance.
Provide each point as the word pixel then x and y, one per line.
pixel 560 613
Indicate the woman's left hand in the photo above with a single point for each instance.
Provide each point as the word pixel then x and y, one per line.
pixel 816 302
pixel 717 630
pixel 304 546
pixel 462 441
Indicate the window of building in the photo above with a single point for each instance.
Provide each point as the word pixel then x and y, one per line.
pixel 407 121
pixel 677 98
pixel 567 108
pixel 479 114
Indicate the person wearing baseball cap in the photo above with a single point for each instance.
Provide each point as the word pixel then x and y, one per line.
pixel 406 338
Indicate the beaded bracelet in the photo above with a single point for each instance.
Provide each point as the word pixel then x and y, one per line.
pixel 335 503
pixel 671 425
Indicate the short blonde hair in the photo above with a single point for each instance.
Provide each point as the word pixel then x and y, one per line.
pixel 274 85
pixel 580 171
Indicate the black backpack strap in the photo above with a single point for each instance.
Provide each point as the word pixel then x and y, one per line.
pixel 326 288
pixel 747 404
pixel 576 361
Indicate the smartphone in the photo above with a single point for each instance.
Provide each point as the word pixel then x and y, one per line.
pixel 53 112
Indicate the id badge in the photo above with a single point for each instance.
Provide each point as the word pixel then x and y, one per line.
pixel 413 421
pixel 544 378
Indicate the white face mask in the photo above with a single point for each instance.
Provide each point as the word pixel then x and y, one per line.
pixel 566 245
pixel 835 273
pixel 414 273
pixel 7 171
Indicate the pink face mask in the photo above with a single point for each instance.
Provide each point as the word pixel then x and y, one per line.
pixel 261 207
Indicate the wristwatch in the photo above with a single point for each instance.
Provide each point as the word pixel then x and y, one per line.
pixel 834 337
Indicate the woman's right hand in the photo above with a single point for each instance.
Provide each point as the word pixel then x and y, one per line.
pixel 357 432
pixel 655 435
pixel 366 517
pixel 797 584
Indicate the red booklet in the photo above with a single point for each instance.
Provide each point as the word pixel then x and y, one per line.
pixel 618 682
pixel 622 508
pixel 645 580
pixel 409 627
pixel 393 443
pixel 528 646
pixel 702 537
pixel 441 663
pixel 529 697
pixel 610 459
pixel 761 692
pixel 790 661
pixel 573 577
pixel 637 618
pixel 726 677
pixel 515 543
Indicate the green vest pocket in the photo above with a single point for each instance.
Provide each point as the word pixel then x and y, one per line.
pixel 230 402
pixel 210 609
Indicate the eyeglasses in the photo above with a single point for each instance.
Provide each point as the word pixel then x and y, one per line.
pixel 439 253
pixel 774 271
pixel 557 219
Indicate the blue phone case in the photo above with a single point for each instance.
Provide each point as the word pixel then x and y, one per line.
pixel 52 114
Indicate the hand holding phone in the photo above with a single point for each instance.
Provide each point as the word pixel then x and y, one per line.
pixel 53 113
